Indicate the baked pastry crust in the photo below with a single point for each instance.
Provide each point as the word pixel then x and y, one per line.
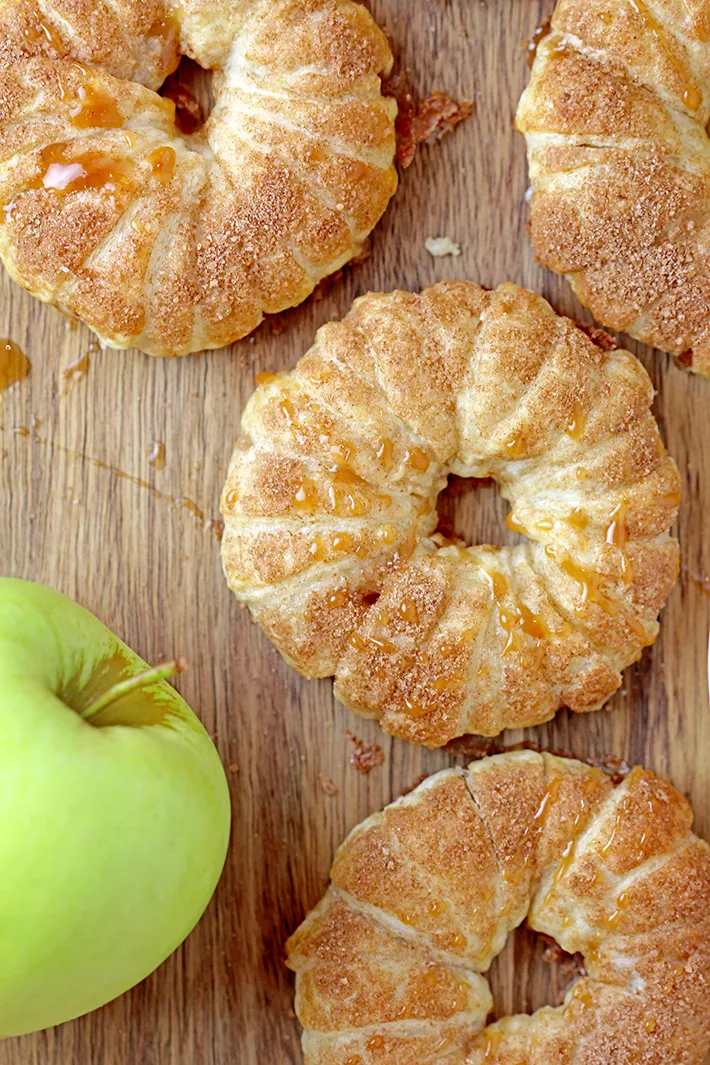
pixel 615 120
pixel 423 895
pixel 174 243
pixel 330 512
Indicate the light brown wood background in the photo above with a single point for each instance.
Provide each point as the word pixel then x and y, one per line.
pixel 147 567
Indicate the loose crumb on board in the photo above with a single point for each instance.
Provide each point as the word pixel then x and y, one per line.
pixel 327 784
pixel 600 337
pixel 439 247
pixel 438 114
pixel 364 756
pixel 422 120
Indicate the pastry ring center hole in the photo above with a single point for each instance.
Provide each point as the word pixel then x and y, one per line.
pixel 471 510
pixel 191 90
pixel 531 971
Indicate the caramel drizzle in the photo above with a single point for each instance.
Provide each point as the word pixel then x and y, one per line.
pixel 617 535
pixel 65 172
pixel 591 590
pixel 33 32
pixel 162 163
pixel 577 423
pixel 95 108
pixel 516 617
pixel 385 453
pixel 516 445
pixel 347 494
pixel 215 526
pixel 14 364
pixel 569 851
pixel 690 95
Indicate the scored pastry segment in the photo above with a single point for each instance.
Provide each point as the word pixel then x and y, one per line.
pixel 614 119
pixel 175 243
pixel 330 512
pixel 424 894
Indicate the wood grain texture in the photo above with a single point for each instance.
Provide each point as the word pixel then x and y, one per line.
pixel 140 558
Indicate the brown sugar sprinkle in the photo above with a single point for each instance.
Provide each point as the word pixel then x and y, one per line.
pixel 364 757
pixel 327 784
pixel 422 120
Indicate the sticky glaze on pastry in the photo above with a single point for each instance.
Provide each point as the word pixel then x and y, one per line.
pixel 330 512
pixel 423 896
pixel 174 243
pixel 615 120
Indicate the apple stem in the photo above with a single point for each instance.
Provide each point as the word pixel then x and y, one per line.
pixel 139 680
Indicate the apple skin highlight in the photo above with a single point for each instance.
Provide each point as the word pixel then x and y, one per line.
pixel 113 830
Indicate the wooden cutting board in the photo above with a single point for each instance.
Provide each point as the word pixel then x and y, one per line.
pixel 85 510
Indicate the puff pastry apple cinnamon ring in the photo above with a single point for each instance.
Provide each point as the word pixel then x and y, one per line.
pixel 423 896
pixel 174 243
pixel 615 120
pixel 330 512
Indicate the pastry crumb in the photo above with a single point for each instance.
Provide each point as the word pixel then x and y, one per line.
pixel 439 247
pixel 600 337
pixel 422 120
pixel 364 756
pixel 327 784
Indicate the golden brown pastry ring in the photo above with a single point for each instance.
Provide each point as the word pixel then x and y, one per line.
pixel 615 120
pixel 174 243
pixel 424 894
pixel 330 512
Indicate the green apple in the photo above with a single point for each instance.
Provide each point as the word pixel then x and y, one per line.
pixel 114 812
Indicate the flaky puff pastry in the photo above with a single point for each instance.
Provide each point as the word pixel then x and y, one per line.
pixel 615 120
pixel 423 895
pixel 174 243
pixel 330 512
